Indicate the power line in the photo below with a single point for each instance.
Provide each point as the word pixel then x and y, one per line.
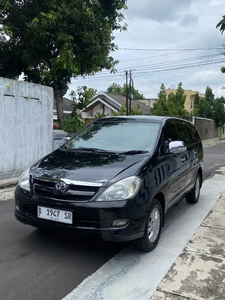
pixel 185 49
pixel 178 61
pixel 155 66
pixel 181 64
pixel 141 58
pixel 182 67
pixel 136 78
pixel 120 70
pixel 154 70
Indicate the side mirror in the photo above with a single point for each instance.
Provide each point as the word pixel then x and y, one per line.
pixel 177 147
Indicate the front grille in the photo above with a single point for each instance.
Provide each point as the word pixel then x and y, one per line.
pixel 73 193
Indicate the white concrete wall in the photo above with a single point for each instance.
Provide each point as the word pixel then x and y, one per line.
pixel 26 120
pixel 99 109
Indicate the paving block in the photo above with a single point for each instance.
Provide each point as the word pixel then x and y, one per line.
pixel 209 241
pixel 220 204
pixel 196 276
pixel 215 219
pixel 166 296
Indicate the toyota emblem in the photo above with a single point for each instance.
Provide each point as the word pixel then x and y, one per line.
pixel 60 186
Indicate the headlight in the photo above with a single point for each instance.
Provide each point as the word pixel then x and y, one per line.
pixel 24 181
pixel 121 190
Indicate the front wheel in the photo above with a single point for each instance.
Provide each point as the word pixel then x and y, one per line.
pixel 153 228
pixel 193 196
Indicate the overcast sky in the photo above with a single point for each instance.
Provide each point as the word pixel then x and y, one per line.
pixel 168 25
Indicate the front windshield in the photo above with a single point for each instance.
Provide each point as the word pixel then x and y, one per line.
pixel 116 135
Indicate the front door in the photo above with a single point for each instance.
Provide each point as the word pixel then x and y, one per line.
pixel 176 166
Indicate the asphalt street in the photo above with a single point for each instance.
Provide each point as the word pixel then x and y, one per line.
pixel 214 158
pixel 35 265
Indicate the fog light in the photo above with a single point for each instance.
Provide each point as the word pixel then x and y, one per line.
pixel 17 207
pixel 120 223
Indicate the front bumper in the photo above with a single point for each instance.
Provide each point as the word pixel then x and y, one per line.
pixel 89 218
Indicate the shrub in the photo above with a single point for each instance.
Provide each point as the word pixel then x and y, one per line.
pixel 72 125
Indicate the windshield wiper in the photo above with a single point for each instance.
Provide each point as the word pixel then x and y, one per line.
pixel 91 150
pixel 131 152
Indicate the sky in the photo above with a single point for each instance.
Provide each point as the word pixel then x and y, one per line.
pixel 167 41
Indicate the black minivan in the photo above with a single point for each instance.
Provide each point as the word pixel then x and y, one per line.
pixel 116 178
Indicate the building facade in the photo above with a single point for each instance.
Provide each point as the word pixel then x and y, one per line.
pixel 190 96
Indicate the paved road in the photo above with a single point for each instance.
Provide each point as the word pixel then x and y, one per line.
pixel 214 157
pixel 36 266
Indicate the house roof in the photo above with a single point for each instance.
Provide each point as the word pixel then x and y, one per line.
pixel 67 105
pixel 122 101
pixel 116 101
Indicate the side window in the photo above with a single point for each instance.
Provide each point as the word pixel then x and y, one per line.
pixel 194 133
pixel 169 135
pixel 183 133
pixel 170 132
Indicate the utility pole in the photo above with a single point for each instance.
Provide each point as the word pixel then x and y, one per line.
pixel 131 96
pixel 126 92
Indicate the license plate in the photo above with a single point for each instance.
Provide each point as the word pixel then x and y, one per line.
pixel 56 215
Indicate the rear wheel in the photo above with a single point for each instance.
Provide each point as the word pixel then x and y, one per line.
pixel 193 196
pixel 153 228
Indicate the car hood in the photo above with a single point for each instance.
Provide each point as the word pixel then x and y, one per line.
pixel 88 166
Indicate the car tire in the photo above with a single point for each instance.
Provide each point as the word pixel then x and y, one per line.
pixel 153 228
pixel 193 196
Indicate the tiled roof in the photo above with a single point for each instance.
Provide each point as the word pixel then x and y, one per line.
pixel 122 101
pixel 67 105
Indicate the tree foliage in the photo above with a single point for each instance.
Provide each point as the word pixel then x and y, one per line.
pixel 211 108
pixel 196 100
pixel 81 98
pixel 209 96
pixel 122 111
pixel 221 26
pixel 72 125
pixel 52 41
pixel 219 112
pixel 173 105
pixel 117 89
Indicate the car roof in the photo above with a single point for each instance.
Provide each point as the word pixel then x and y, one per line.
pixel 153 119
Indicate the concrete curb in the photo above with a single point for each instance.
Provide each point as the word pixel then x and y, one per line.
pixel 6 183
pixel 211 142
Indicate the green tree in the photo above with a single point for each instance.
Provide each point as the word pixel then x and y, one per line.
pixel 81 98
pixel 173 105
pixel 122 111
pixel 196 100
pixel 72 125
pixel 176 103
pixel 219 111
pixel 98 115
pixel 221 26
pixel 160 107
pixel 52 41
pixel 205 107
pixel 209 96
pixel 117 89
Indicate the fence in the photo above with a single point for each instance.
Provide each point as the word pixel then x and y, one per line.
pixel 206 127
